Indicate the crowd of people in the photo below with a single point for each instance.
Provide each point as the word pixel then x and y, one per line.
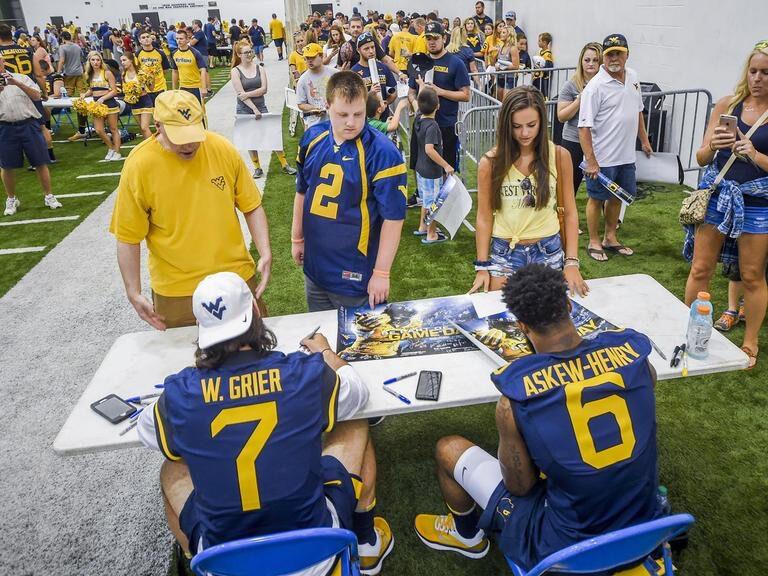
pixel 561 474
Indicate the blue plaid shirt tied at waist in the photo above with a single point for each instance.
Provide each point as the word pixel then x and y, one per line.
pixel 730 202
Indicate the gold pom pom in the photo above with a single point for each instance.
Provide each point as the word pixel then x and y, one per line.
pixel 132 91
pixel 98 110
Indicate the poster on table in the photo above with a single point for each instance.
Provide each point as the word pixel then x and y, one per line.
pixel 422 327
pixel 265 133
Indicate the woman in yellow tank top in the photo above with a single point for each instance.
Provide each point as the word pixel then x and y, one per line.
pixel 102 86
pixel 517 221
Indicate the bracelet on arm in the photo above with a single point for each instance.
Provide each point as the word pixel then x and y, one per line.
pixel 482 265
pixel 572 262
pixel 380 273
pixel 297 240
pixel 324 350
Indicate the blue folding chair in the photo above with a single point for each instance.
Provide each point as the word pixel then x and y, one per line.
pixel 59 114
pixel 613 550
pixel 279 554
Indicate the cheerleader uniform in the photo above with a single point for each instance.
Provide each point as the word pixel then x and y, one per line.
pixel 100 86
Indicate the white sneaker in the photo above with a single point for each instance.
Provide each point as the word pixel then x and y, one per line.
pixel 110 155
pixel 52 202
pixel 116 156
pixel 11 205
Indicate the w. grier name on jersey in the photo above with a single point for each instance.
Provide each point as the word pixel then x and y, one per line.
pixel 598 362
pixel 241 386
pixel 417 333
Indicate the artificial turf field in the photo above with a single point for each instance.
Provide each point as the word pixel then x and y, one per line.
pixel 712 430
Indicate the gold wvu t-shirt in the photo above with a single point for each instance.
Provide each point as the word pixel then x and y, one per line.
pixel 185 210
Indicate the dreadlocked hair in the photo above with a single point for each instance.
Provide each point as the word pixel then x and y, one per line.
pixel 537 295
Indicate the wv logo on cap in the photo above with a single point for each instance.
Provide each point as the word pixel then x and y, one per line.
pixel 186 112
pixel 215 308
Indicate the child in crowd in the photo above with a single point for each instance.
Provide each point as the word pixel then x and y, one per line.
pixel 296 63
pixel 375 107
pixel 522 48
pixel 545 60
pixel 429 164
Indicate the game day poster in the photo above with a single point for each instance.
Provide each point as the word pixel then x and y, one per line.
pixel 421 327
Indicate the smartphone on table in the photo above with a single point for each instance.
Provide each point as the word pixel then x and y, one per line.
pixel 113 408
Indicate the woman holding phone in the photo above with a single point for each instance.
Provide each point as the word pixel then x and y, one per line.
pixel 517 198
pixel 737 214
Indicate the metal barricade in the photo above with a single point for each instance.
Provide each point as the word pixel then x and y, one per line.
pixel 675 121
pixel 548 80
pixel 476 130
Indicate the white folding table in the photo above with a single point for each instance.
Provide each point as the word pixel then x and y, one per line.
pixel 138 361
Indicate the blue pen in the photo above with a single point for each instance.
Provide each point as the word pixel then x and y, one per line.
pixel 137 399
pixel 159 385
pixel 135 415
pixel 400 397
pixel 398 378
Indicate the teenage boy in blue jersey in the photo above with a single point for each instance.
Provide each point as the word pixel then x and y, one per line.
pixel 350 203
pixel 577 438
pixel 251 436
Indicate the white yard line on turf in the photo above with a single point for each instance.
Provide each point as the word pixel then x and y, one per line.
pixel 118 160
pixel 129 146
pixel 4 251
pixel 79 194
pixel 39 220
pixel 98 175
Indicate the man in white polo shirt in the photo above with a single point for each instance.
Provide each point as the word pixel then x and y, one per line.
pixel 610 121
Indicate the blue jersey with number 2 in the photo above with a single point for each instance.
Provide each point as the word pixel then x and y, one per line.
pixel 349 190
pixel 251 434
pixel 588 419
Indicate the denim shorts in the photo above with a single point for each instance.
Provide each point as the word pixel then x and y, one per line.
pixel 755 217
pixel 623 175
pixel 508 259
pixel 428 189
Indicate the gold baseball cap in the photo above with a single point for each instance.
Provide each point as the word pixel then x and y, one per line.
pixel 181 115
pixel 311 50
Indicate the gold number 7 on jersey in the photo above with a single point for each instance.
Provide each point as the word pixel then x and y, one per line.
pixel 328 190
pixel 265 416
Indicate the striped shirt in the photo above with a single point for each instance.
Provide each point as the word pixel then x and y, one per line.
pixel 15 105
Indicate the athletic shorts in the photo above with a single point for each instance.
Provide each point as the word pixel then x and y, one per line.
pixel 16 140
pixel 194 91
pixel 278 42
pixel 340 497
pixel 508 259
pixel 623 175
pixel 511 520
pixel 258 49
pixel 428 189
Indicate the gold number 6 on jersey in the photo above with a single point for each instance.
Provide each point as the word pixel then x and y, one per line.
pixel 329 190
pixel 265 416
pixel 581 414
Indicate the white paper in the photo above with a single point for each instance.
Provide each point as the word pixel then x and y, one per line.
pixel 402 90
pixel 374 71
pixel 452 205
pixel 265 133
pixel 429 76
pixel 661 167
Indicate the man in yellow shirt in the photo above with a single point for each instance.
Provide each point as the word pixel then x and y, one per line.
pixel 277 31
pixel 178 191
pixel 189 70
pixel 148 55
pixel 405 44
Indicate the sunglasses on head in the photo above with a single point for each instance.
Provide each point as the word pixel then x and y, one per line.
pixel 762 45
pixel 529 200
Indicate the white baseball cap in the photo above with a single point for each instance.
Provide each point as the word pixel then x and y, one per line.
pixel 223 306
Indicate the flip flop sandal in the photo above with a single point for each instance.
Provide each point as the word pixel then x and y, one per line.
pixel 617 249
pixel 440 238
pixel 419 233
pixel 593 251
pixel 752 357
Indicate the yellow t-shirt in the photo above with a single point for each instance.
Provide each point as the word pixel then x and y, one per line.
pixel 154 57
pixel 420 45
pixel 296 59
pixel 185 210
pixel 401 48
pixel 514 221
pixel 276 29
pixel 188 64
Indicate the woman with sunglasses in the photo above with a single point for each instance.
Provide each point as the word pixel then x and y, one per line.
pixel 517 208
pixel 250 83
pixel 735 228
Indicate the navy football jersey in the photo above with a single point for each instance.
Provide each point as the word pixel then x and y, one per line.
pixel 350 189
pixel 588 419
pixel 250 433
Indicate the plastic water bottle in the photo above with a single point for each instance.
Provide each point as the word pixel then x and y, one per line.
pixel 701 298
pixel 663 499
pixel 699 328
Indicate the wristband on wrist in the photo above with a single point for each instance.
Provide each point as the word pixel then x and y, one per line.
pixel 380 273
pixel 572 259
pixel 297 240
pixel 571 264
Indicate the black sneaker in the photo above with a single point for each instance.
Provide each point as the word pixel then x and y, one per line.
pixel 413 201
pixel 375 421
pixel 258 173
